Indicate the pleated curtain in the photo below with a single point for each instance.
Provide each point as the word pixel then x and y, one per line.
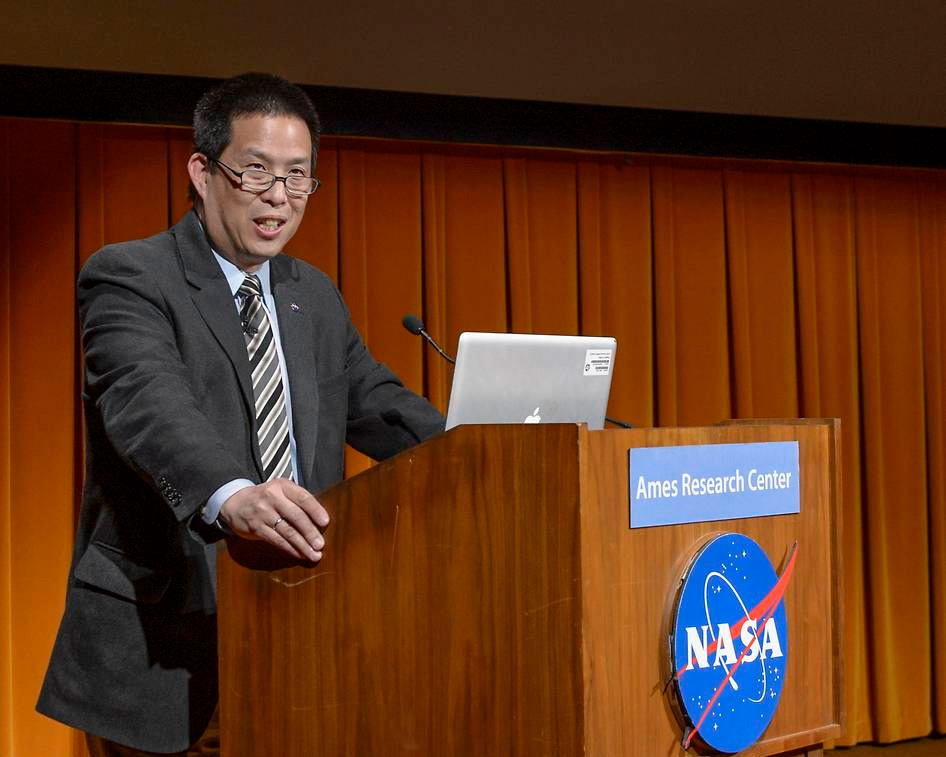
pixel 736 289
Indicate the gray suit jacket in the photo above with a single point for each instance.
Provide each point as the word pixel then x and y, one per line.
pixel 169 418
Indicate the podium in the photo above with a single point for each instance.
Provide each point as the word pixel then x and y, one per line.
pixel 482 594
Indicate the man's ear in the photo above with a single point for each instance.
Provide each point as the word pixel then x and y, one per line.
pixel 198 168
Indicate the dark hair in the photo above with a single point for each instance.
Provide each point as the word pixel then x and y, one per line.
pixel 248 95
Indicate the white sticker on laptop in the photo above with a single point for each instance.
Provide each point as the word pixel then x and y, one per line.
pixel 598 362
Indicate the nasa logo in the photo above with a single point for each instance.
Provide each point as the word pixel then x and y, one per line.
pixel 729 644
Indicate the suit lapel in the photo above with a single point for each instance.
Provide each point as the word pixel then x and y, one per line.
pixel 213 299
pixel 298 339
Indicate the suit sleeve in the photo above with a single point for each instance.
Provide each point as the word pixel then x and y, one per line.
pixel 139 384
pixel 384 416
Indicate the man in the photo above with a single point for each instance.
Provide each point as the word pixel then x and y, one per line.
pixel 223 379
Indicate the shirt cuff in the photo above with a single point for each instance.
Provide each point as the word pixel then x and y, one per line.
pixel 211 510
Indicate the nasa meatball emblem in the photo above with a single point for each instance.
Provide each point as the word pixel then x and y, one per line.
pixel 729 644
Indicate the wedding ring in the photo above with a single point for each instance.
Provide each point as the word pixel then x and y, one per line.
pixel 277 522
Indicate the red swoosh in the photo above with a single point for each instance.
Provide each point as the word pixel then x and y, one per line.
pixel 772 598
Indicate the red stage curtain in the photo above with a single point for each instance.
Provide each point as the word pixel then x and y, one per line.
pixel 735 289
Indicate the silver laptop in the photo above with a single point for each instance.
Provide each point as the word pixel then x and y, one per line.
pixel 531 378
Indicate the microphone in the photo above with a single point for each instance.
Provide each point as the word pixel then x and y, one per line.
pixel 413 324
pixel 248 328
pixel 416 326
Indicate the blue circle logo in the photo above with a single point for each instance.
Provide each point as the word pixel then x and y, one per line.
pixel 729 644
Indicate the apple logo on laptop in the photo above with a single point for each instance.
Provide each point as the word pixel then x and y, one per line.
pixel 534 418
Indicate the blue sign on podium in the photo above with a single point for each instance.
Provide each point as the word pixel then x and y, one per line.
pixel 696 483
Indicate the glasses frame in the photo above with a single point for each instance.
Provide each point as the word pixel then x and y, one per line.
pixel 275 178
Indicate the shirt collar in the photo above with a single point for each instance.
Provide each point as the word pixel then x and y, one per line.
pixel 235 276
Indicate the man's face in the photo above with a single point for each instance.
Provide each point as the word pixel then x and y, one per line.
pixel 245 227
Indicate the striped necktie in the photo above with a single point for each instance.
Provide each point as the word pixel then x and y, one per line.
pixel 272 426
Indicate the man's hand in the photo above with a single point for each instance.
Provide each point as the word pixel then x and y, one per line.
pixel 281 513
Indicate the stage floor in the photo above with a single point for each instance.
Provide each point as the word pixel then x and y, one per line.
pixel 931 747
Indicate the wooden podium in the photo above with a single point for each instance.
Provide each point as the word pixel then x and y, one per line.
pixel 482 594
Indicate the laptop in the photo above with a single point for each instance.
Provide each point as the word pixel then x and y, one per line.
pixel 531 378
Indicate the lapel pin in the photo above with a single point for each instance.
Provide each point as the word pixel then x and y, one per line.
pixel 294 307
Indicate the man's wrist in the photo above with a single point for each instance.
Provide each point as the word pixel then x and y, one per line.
pixel 210 512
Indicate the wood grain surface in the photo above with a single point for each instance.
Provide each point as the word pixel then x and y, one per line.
pixel 629 579
pixel 483 595
pixel 444 618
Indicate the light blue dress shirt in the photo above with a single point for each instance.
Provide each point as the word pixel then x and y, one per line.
pixel 235 278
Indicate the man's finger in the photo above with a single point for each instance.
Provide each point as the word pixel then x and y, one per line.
pixel 295 518
pixel 307 502
pixel 266 532
pixel 286 534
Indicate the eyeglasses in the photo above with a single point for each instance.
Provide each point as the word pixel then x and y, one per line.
pixel 258 181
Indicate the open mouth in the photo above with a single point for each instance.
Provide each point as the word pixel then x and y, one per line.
pixel 270 224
